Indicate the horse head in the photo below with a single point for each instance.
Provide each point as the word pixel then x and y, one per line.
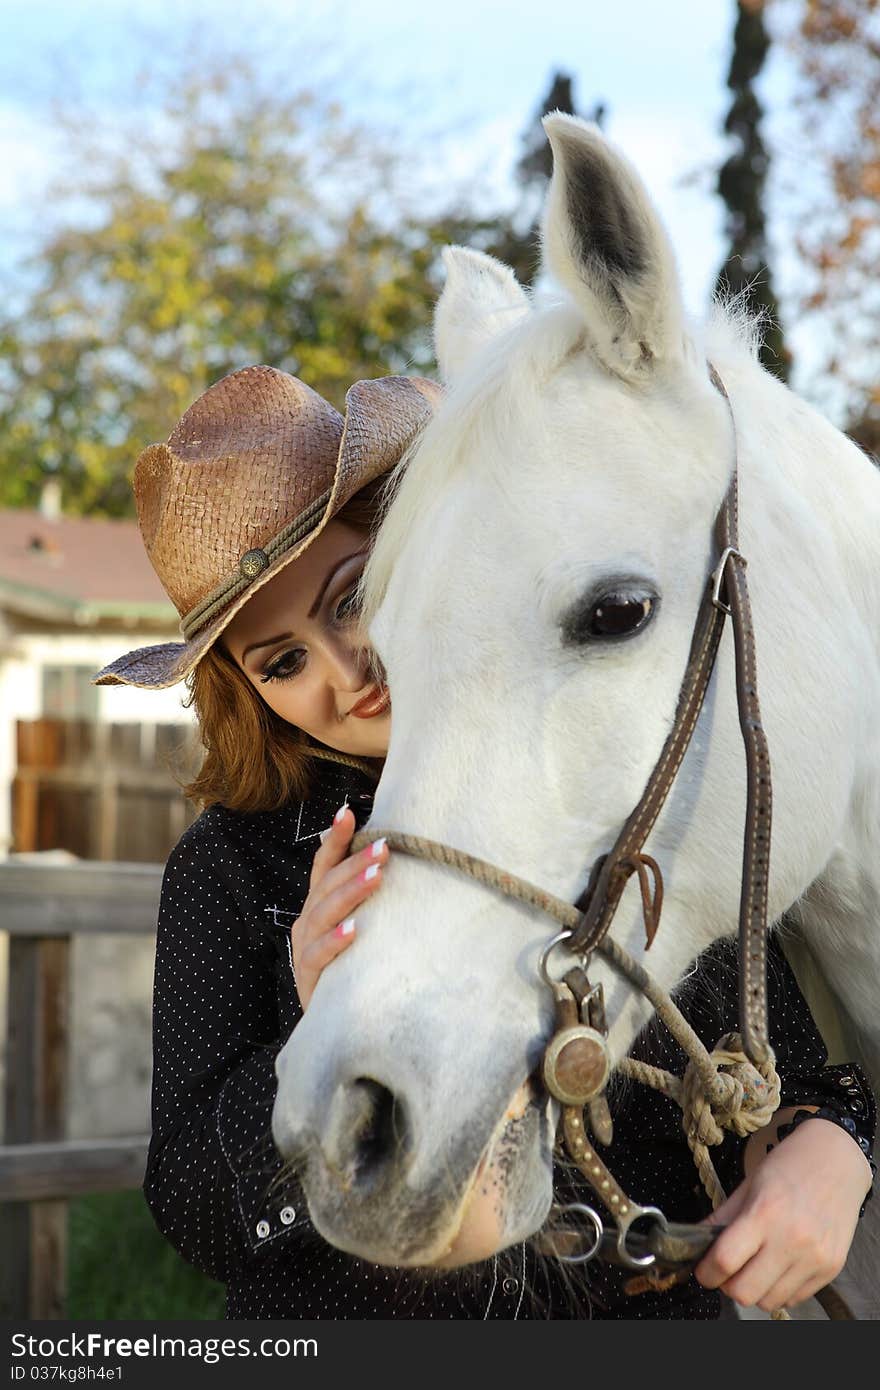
pixel 532 596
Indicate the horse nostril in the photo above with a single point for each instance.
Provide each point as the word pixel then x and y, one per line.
pixel 366 1131
pixel 381 1135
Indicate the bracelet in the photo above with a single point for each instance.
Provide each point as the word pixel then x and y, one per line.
pixel 843 1122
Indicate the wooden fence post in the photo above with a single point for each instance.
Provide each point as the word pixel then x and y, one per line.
pixel 41 907
pixel 33 1236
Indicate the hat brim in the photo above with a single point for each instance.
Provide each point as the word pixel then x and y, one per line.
pixel 382 419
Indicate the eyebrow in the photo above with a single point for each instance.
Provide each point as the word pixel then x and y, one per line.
pixel 267 642
pixel 328 580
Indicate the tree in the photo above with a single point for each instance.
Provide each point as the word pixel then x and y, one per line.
pixel 517 241
pixel 236 226
pixel 741 184
pixel 836 47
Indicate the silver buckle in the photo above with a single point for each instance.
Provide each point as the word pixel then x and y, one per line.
pixel 718 577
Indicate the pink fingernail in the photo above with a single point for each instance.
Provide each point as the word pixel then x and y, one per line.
pixel 340 813
pixel 369 874
pixel 345 928
pixel 377 847
pixel 324 833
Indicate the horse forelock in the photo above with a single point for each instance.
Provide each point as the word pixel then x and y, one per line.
pixel 503 385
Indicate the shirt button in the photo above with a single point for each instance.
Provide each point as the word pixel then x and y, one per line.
pixel 510 1285
pixel 262 1229
pixel 287 1215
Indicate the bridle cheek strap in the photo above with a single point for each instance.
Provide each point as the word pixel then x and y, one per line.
pixel 726 595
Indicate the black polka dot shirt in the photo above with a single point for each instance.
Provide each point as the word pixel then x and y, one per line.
pixel 224 1004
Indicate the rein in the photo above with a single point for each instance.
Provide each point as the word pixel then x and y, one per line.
pixel 736 1085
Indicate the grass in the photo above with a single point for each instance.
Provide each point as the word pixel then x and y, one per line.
pixel 119 1266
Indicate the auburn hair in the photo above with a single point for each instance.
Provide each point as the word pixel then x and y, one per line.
pixel 253 759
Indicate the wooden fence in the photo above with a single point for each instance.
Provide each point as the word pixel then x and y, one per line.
pixel 101 791
pixel 41 907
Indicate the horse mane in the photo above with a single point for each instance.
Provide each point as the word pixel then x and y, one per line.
pixel 504 381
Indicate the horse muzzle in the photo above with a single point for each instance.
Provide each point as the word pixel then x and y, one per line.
pixel 379 1187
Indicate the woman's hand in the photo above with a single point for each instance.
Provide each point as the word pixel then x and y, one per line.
pixel 791 1222
pixel 338 885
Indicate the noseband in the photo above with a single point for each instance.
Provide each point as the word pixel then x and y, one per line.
pixel 577 1059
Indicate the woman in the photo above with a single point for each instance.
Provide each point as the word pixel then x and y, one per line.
pixel 256 515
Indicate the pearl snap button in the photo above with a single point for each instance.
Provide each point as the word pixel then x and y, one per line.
pixel 287 1215
pixel 262 1229
pixel 510 1285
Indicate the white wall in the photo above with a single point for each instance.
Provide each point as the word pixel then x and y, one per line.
pixel 111 1044
pixel 122 704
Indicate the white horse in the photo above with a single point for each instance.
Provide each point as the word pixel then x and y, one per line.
pixel 574 471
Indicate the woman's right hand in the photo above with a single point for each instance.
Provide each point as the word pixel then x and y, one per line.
pixel 338 884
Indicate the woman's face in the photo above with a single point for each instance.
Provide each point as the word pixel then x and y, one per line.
pixel 295 640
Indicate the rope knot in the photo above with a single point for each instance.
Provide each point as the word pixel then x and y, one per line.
pixel 744 1098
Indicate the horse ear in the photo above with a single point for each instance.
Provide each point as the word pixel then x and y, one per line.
pixel 604 242
pixel 481 298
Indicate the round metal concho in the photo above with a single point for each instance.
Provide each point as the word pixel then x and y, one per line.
pixel 253 562
pixel 576 1065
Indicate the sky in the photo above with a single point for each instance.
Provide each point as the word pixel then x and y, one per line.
pixel 458 80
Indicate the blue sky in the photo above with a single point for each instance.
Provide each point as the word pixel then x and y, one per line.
pixel 460 79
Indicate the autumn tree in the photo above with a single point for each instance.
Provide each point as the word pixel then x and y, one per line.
pixel 836 48
pixel 742 184
pixel 233 226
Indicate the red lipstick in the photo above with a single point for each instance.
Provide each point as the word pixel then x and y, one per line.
pixel 376 701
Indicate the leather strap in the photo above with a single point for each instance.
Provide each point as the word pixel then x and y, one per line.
pixel 726 593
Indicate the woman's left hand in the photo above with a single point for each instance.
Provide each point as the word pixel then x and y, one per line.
pixel 791 1222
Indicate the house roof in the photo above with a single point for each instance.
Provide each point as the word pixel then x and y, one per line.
pixel 80 567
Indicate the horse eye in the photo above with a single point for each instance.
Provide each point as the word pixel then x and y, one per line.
pixel 616 614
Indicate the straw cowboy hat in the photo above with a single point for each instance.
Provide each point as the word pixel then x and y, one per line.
pixel 247 481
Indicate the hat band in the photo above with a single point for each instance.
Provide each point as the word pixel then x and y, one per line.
pixel 192 623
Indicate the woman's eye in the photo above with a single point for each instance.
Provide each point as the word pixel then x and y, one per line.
pixel 618 613
pixel 348 606
pixel 283 667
